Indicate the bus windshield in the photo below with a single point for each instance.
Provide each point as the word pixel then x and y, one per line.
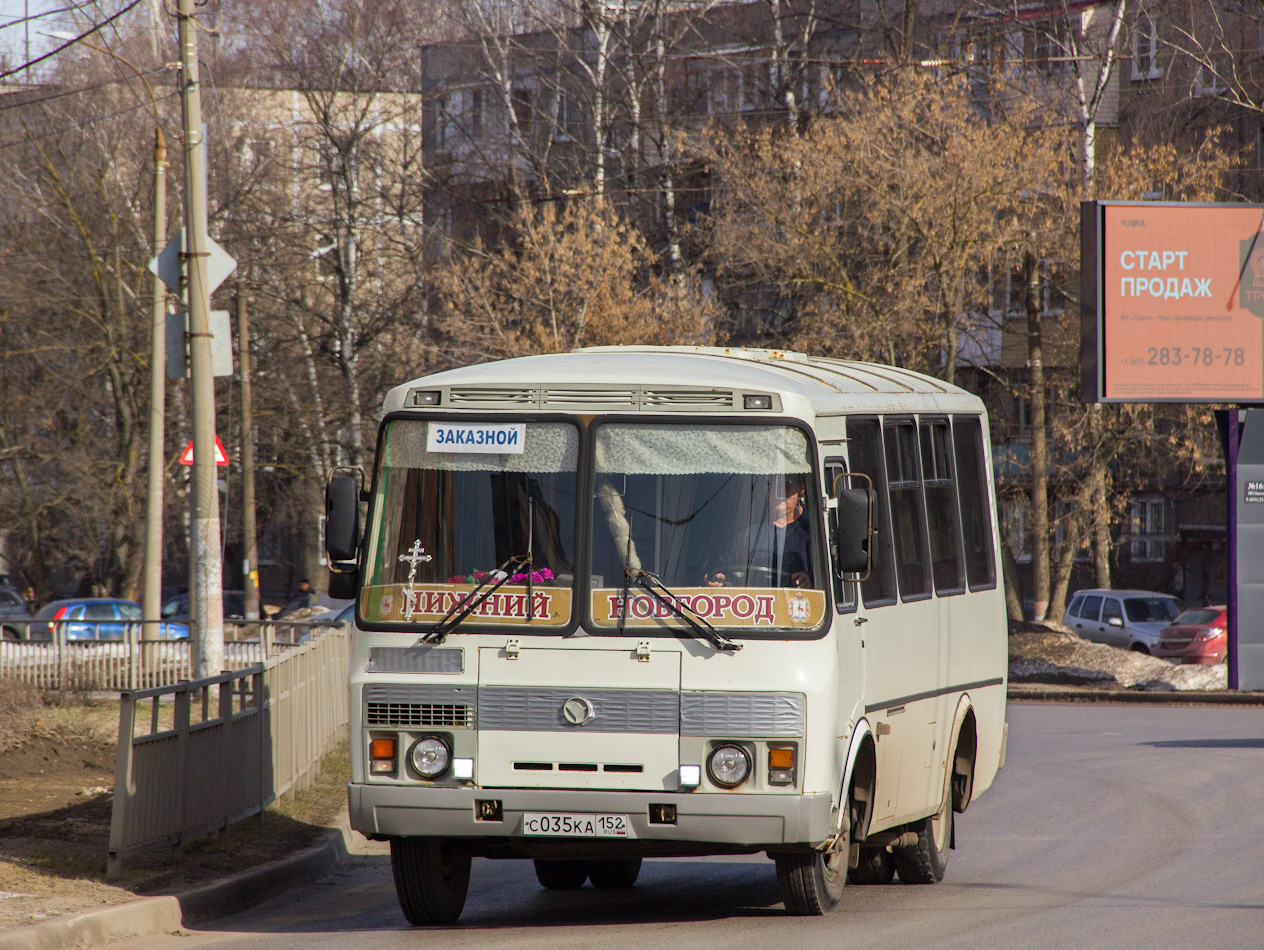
pixel 455 504
pixel 719 515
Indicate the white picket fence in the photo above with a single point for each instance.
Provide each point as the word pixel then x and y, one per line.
pixel 135 663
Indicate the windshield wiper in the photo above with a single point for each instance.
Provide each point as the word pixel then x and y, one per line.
pixel 475 598
pixel 699 624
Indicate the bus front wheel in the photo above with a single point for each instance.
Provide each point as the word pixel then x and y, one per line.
pixel 432 877
pixel 811 882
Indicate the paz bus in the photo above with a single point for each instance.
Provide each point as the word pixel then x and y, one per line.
pixel 635 602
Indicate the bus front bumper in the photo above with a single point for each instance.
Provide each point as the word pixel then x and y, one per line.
pixel 751 821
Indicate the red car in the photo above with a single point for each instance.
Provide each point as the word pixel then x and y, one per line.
pixel 1199 635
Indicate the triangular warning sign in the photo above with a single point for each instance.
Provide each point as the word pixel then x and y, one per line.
pixel 221 457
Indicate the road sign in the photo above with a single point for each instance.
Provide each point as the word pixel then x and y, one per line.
pixel 167 264
pixel 221 457
pixel 221 326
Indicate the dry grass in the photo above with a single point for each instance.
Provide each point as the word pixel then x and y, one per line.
pixel 56 772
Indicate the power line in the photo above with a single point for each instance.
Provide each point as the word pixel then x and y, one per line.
pixel 76 91
pixel 83 124
pixel 49 55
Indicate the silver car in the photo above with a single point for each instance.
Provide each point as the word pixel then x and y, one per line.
pixel 1129 619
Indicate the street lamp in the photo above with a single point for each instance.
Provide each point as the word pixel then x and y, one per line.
pixel 151 600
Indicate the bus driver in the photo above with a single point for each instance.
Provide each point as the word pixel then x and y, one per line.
pixel 776 551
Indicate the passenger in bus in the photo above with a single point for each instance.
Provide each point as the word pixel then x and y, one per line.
pixel 776 551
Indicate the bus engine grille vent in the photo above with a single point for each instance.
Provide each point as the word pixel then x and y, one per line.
pixel 419 714
pixel 421 705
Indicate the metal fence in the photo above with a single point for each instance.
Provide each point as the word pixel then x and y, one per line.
pixel 197 756
pixel 95 665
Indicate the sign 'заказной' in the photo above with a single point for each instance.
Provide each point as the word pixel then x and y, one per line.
pixel 1173 303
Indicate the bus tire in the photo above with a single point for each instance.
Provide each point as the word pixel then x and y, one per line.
pixel 614 874
pixel 876 867
pixel 926 861
pixel 561 875
pixel 811 882
pixel 432 877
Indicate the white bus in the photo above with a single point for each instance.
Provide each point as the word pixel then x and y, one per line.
pixel 634 602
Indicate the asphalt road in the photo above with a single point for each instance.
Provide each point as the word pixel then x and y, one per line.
pixel 1111 826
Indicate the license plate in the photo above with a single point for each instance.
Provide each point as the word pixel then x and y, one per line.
pixel 576 826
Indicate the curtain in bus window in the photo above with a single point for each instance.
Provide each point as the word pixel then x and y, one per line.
pixel 941 507
pixel 976 515
pixel 697 450
pixel 865 458
pixel 907 520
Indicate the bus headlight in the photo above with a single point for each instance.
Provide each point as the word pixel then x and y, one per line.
pixel 729 766
pixel 431 756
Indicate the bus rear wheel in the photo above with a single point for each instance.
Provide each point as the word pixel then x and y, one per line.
pixel 876 867
pixel 432 877
pixel 561 875
pixel 926 861
pixel 614 873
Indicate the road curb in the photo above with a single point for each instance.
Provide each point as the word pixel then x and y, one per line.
pixel 152 915
pixel 1034 692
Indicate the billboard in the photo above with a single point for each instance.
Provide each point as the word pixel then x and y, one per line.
pixel 1173 302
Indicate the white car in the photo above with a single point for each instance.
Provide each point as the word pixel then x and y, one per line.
pixel 1129 619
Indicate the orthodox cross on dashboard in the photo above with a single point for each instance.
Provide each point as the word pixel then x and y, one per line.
pixel 414 556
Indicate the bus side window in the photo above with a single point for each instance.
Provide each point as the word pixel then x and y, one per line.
pixel 942 515
pixel 908 518
pixel 976 514
pixel 844 590
pixel 864 453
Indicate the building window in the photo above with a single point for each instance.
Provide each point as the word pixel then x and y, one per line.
pixel 1148 529
pixel 444 107
pixel 1145 50
pixel 523 111
pixel 569 118
pixel 1207 82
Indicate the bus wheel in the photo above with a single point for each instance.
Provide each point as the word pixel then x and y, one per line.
pixel 926 861
pixel 432 876
pixel 614 873
pixel 561 875
pixel 811 882
pixel 876 867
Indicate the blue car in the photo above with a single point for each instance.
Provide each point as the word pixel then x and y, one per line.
pixel 97 618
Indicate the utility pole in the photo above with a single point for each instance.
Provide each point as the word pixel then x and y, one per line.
pixel 151 600
pixel 208 603
pixel 250 565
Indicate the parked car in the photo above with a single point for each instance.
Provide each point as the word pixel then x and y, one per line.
pixel 1199 635
pixel 176 607
pixel 13 607
pixel 1129 619
pixel 96 618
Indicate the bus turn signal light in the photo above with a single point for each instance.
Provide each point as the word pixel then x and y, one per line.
pixel 781 766
pixel 382 755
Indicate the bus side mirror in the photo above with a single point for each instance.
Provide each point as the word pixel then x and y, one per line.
pixel 853 526
pixel 342 522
